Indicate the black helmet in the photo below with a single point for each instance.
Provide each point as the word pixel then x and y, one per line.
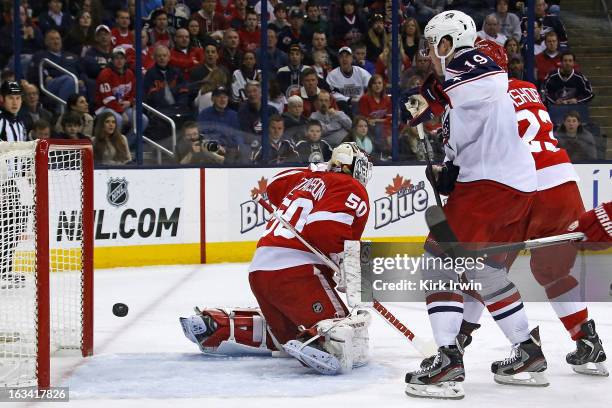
pixel 10 88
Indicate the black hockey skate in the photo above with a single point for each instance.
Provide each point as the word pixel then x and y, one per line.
pixel 464 338
pixel 589 355
pixel 441 379
pixel 525 365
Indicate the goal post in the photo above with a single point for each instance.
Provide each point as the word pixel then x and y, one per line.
pixel 46 256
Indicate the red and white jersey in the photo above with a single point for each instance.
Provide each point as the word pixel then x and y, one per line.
pixel 553 165
pixel 114 88
pixel 326 208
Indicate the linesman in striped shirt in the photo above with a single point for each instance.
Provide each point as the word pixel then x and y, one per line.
pixel 13 215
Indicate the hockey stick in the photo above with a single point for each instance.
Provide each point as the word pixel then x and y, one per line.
pixel 441 230
pixel 421 133
pixel 425 348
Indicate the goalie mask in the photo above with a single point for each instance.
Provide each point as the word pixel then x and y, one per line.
pixel 348 158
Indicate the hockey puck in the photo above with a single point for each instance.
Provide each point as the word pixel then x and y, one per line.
pixel 120 309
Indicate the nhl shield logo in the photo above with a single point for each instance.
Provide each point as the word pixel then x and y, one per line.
pixel 117 194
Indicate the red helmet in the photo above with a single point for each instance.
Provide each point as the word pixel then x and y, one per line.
pixel 494 51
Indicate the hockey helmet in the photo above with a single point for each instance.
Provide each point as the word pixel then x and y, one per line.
pixel 348 158
pixel 494 51
pixel 453 23
pixel 10 88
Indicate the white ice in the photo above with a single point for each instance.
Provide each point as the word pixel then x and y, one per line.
pixel 143 359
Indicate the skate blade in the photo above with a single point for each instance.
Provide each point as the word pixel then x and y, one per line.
pixel 595 369
pixel 529 379
pixel 324 363
pixel 447 390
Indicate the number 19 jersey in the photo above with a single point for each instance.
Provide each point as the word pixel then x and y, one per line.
pixel 553 165
pixel 326 208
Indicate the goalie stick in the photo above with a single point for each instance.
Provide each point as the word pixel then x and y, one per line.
pixel 442 232
pixel 425 348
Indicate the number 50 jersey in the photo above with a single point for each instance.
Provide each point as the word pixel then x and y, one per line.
pixel 326 208
pixel 553 165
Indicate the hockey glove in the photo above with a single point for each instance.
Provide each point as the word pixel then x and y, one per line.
pixel 434 94
pixel 418 110
pixel 444 177
pixel 596 225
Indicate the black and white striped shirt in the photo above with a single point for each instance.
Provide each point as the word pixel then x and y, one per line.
pixel 11 128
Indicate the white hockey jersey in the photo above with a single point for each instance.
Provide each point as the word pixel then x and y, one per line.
pixel 345 87
pixel 480 128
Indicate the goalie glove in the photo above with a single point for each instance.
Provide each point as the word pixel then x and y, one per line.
pixel 596 225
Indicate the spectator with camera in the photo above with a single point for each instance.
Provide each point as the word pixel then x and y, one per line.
pixel 194 149
pixel 566 86
pixel 219 123
pixel 281 150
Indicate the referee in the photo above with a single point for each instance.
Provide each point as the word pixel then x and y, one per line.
pixel 13 215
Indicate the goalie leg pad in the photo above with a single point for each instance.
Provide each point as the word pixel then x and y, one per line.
pixel 229 332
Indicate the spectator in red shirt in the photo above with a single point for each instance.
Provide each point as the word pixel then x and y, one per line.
pixel 375 105
pixel 250 36
pixel 147 54
pixel 550 59
pixel 116 90
pixel 121 34
pixel 160 33
pixel 238 15
pixel 211 22
pixel 183 56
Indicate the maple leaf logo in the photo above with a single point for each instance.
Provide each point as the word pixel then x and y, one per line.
pixel 262 186
pixel 399 184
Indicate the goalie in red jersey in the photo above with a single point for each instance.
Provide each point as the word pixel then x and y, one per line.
pixel 557 195
pixel 300 311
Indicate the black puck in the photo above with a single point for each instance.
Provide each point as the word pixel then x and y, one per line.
pixel 120 309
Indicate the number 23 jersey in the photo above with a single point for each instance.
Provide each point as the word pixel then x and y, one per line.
pixel 326 208
pixel 553 165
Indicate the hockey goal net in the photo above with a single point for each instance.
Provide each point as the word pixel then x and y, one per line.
pixel 46 256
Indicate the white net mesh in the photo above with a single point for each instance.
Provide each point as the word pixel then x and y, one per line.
pixel 18 271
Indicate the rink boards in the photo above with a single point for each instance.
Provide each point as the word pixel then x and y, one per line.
pixel 187 216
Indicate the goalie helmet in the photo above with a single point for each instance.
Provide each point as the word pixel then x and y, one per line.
pixel 348 158
pixel 494 51
pixel 453 23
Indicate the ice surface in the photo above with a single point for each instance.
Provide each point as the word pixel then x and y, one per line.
pixel 143 359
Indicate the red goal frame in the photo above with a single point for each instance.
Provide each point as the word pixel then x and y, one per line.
pixel 43 353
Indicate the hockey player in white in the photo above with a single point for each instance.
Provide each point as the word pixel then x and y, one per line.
pixel 488 202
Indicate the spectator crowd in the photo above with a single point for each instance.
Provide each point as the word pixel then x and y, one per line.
pixel 328 65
